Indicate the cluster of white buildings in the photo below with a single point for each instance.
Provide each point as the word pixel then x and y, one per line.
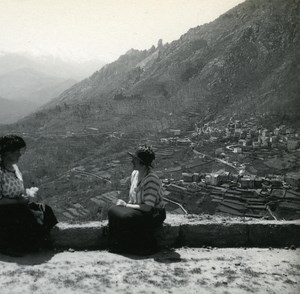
pixel 242 181
pixel 256 137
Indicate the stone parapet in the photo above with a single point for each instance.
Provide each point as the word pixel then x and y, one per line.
pixel 192 231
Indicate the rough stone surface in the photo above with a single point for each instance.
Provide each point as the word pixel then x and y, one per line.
pixel 219 235
pixel 168 235
pixel 276 235
pixel 184 270
pixel 79 236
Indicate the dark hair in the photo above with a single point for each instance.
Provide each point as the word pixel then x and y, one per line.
pixel 11 143
pixel 145 154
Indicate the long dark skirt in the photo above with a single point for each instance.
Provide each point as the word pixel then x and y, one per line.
pixel 131 230
pixel 20 229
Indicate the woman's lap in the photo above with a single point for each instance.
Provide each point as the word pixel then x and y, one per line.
pixel 18 224
pixel 132 229
pixel 126 216
pixel 15 213
pixel 130 219
pixel 125 213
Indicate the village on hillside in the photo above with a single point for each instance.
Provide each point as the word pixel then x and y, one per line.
pixel 235 168
pixel 240 189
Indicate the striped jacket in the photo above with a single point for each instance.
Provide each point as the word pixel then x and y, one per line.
pixel 148 191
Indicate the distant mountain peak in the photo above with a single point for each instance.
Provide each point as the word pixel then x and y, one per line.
pixel 160 44
pixel 132 51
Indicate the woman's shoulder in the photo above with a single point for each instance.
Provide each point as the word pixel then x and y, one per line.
pixel 152 176
pixel 151 173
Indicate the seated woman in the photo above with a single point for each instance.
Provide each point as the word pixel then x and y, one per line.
pixel 131 224
pixel 23 225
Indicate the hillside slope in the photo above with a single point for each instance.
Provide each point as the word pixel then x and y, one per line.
pixel 244 62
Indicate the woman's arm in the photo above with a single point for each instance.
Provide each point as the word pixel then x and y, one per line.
pixel 142 207
pixel 151 190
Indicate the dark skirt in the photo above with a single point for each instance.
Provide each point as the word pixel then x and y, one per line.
pixel 132 230
pixel 19 227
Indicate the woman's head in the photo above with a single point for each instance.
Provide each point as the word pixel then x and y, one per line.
pixel 143 156
pixel 11 147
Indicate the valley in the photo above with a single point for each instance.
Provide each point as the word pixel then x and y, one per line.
pixel 220 105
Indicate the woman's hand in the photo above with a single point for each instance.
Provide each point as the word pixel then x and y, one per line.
pixel 32 192
pixel 121 202
pixel 142 207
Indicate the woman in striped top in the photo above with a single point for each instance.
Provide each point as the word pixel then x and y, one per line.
pixel 131 224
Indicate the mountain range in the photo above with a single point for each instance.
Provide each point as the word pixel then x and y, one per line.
pixel 246 62
pixel 11 111
pixel 31 82
pixel 49 65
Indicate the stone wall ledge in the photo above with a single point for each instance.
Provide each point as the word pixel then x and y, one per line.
pixel 192 231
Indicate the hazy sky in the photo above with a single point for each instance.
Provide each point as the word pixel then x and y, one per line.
pixel 103 29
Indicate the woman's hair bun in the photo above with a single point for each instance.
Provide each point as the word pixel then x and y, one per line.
pixel 11 143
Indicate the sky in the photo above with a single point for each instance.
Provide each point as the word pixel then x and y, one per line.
pixel 99 29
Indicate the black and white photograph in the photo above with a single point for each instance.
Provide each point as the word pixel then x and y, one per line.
pixel 149 146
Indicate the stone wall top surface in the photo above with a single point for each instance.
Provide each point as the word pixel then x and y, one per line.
pixel 177 220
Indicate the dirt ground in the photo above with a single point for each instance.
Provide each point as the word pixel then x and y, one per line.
pixel 184 270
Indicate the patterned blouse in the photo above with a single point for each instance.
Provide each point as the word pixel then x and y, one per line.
pixel 11 183
pixel 147 191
